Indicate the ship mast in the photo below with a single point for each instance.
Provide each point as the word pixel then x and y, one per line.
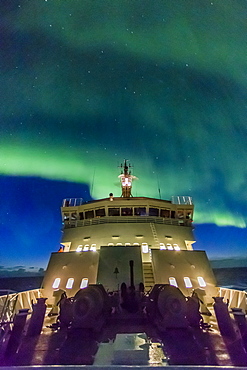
pixel 126 180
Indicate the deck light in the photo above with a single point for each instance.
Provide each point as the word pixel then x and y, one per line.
pixel 86 248
pixel 162 246
pixel 145 248
pixel 169 247
pixel 93 248
pixel 176 247
pixel 79 248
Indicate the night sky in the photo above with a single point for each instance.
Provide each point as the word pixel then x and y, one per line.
pixel 85 84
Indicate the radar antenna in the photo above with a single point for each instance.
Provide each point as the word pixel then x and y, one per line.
pixel 126 180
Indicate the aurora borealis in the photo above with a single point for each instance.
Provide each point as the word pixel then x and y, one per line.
pixel 85 84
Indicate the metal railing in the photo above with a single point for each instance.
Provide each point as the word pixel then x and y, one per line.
pixel 124 220
pixel 13 302
pixel 73 202
pixel 184 199
pixel 234 298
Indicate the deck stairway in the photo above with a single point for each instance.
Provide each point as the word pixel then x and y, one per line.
pixel 148 275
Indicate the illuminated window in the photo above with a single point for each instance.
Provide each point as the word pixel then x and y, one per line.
pixel 162 246
pixel 187 282
pixel 79 248
pixel 126 212
pixel 84 283
pixel 56 283
pixel 93 248
pixel 176 247
pixel 86 248
pixel 173 281
pixel 201 281
pixel 66 216
pixel 70 283
pixel 169 247
pixel 140 211
pixel 144 248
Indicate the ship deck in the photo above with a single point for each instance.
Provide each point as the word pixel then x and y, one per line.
pixel 185 348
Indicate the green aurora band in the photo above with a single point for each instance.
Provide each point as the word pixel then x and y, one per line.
pixel 86 84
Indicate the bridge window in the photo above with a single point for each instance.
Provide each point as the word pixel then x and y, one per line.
pixel 172 214
pixel 100 212
pixel 173 281
pixel 84 283
pixel 89 214
pixel 81 216
pixel 165 213
pixel 56 283
pixel 180 214
pixel 154 212
pixel 70 283
pixel 66 216
pixel 188 215
pixel 114 211
pixel 187 282
pixel 201 282
pixel 126 212
pixel 140 211
pixel 73 216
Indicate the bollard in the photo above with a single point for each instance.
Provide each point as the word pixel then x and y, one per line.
pixel 223 318
pixel 16 332
pixel 241 321
pixel 37 318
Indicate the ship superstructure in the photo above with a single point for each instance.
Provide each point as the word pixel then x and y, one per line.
pixel 126 288
pixel 101 236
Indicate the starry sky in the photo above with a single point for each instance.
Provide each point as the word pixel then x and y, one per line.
pixel 85 84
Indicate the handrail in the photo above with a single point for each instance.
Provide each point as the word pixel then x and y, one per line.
pixel 124 219
pixel 12 303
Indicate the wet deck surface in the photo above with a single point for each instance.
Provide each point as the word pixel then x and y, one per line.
pixel 62 346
